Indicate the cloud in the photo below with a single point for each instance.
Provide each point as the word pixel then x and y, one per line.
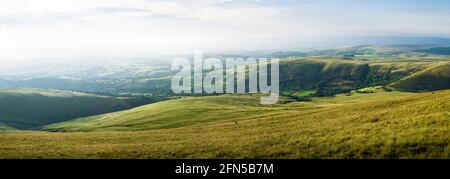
pixel 207 10
pixel 41 28
pixel 44 6
pixel 133 27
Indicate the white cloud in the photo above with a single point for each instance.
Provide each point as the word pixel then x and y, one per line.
pixel 42 28
pixel 133 27
pixel 210 10
pixel 43 6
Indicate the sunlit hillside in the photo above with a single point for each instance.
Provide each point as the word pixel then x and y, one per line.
pixel 372 125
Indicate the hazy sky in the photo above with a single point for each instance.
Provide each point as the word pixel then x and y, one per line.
pixel 52 28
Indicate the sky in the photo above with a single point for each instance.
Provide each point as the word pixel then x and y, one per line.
pixel 135 28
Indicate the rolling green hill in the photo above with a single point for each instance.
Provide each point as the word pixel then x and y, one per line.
pixel 25 108
pixel 171 114
pixel 329 76
pixel 336 105
pixel 436 77
pixel 5 127
pixel 336 75
pixel 197 111
pixel 376 125
pixel 328 71
pixel 436 50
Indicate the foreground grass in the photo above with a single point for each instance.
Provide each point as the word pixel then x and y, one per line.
pixel 390 125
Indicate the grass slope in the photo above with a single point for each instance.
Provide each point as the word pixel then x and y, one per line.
pixel 25 108
pixel 171 114
pixel 378 125
pixel 436 77
pixel 5 127
pixel 331 75
pixel 326 73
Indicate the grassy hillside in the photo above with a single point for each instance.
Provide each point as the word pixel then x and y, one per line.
pixel 329 76
pixel 335 75
pixel 329 70
pixel 25 108
pixel 436 50
pixel 376 125
pixel 436 77
pixel 4 127
pixel 195 111
pixel 361 121
pixel 172 114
